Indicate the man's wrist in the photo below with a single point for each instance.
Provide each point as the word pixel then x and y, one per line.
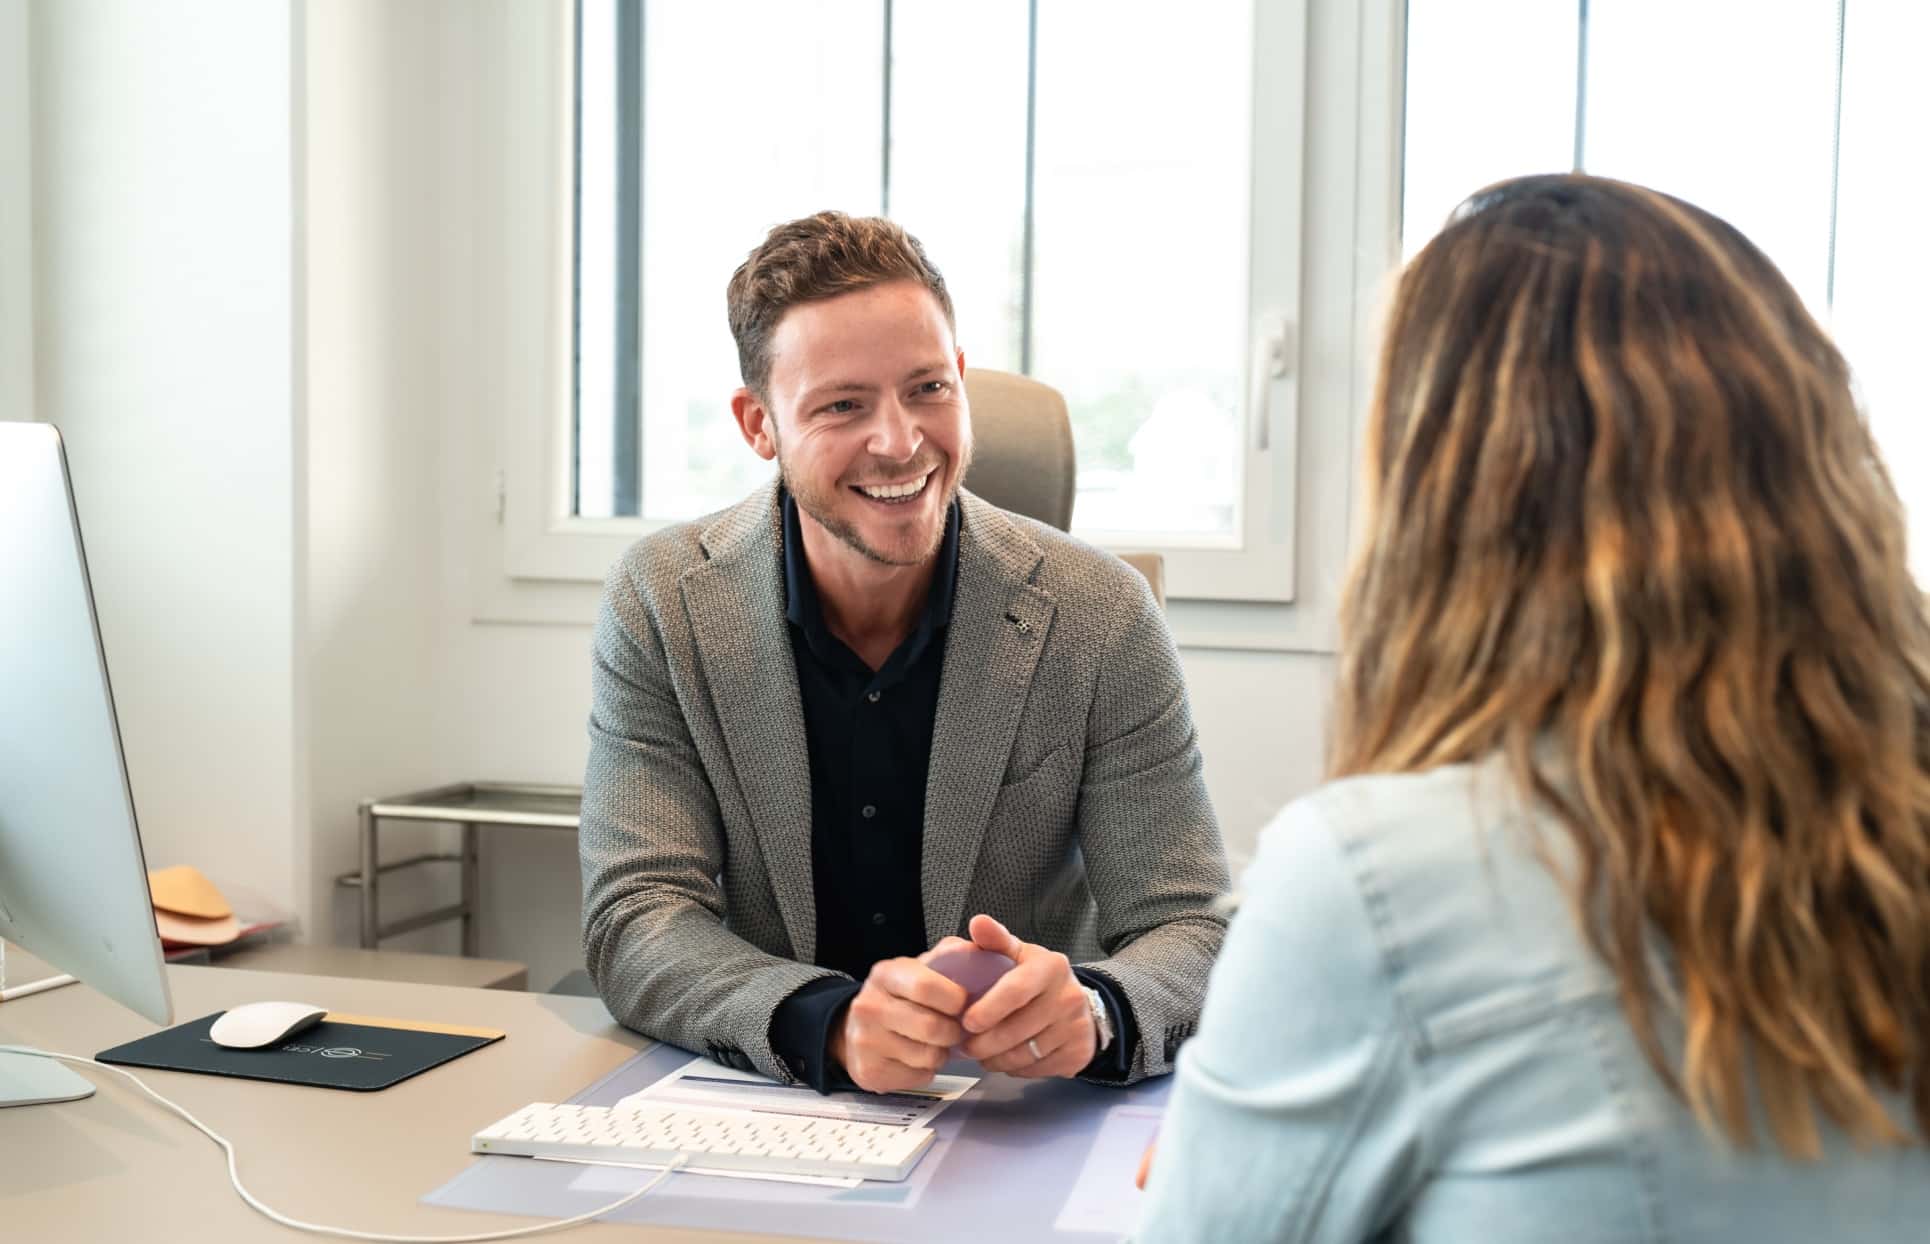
pixel 834 1038
pixel 804 1025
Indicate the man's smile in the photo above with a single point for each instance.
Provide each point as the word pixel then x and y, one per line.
pixel 896 494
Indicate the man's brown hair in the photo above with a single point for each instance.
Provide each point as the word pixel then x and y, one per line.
pixel 814 258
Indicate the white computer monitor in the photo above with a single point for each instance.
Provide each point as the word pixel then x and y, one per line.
pixel 73 881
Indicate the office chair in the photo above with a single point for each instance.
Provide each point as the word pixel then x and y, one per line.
pixel 1024 461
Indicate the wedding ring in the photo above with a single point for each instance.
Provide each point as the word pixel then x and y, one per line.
pixel 1032 1043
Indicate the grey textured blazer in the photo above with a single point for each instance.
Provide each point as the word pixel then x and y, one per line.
pixel 1064 796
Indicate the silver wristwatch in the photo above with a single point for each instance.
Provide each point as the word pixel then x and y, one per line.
pixel 1101 1021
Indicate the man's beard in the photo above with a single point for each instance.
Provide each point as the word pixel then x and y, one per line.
pixel 818 507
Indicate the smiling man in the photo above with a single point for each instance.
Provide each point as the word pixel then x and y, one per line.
pixel 864 716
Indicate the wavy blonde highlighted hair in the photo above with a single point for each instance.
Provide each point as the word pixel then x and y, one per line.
pixel 1627 529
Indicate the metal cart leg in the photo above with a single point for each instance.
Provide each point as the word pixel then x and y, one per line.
pixel 471 890
pixel 371 936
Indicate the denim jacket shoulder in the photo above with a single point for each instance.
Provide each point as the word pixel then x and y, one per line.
pixel 1407 1037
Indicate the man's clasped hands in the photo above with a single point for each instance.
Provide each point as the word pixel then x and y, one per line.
pixel 907 1020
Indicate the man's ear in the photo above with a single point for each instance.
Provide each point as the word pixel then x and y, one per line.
pixel 756 422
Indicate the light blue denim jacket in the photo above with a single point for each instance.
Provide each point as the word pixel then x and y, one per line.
pixel 1406 1039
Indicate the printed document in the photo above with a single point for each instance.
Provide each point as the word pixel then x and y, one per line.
pixel 705 1085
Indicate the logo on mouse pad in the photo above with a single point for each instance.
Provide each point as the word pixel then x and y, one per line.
pixel 335 1051
pixel 326 1051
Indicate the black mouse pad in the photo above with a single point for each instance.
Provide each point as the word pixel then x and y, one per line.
pixel 330 1055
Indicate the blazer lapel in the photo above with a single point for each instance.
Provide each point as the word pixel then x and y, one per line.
pixel 735 604
pixel 999 623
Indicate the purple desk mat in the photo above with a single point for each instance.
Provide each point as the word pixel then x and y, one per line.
pixel 1006 1164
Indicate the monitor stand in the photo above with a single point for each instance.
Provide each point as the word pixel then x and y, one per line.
pixel 29 1080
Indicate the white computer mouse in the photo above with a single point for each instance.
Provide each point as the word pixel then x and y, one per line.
pixel 257 1024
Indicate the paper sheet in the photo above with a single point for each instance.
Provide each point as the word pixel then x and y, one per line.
pixel 1103 1198
pixel 624 1176
pixel 706 1085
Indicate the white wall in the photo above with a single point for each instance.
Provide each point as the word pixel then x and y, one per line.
pixel 518 701
pixel 163 138
pixel 375 207
pixel 16 217
pixel 238 281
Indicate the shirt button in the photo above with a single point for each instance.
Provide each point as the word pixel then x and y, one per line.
pixel 877 917
pixel 873 697
pixel 869 811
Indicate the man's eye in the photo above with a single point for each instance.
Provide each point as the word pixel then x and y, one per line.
pixel 934 386
pixel 843 406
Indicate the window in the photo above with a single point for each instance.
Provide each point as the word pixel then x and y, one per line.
pixel 1881 260
pixel 1791 121
pixel 1086 175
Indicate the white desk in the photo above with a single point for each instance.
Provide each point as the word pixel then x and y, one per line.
pixel 118 1167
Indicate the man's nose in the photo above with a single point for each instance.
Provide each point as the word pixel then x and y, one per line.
pixel 895 434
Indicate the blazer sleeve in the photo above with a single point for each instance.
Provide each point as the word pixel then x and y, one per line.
pixel 1152 846
pixel 652 849
pixel 1298 1110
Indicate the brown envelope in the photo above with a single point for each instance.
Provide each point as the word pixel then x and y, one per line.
pixel 194 931
pixel 184 891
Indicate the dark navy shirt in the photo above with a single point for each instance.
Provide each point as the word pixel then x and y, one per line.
pixel 869 734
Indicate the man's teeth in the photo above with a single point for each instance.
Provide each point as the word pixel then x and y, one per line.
pixel 891 492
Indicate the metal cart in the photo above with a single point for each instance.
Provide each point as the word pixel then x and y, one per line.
pixel 470 805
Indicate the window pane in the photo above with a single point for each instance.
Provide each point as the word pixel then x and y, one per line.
pixel 1490 95
pixel 958 86
pixel 597 408
pixel 1882 261
pixel 1141 197
pixel 1730 104
pixel 754 112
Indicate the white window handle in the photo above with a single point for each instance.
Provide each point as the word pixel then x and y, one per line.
pixel 1274 348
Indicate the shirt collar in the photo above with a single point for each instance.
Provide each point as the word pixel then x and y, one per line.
pixel 803 610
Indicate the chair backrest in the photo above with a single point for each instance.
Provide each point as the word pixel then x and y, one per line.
pixel 1153 566
pixel 1024 460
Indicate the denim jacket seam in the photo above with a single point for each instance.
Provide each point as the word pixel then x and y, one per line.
pixel 1641 1156
pixel 1380 915
pixel 1517 1008
pixel 1387 1059
pixel 1409 1040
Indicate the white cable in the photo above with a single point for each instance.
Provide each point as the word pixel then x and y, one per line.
pixel 234 1177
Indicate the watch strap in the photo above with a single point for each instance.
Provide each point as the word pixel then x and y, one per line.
pixel 1101 1019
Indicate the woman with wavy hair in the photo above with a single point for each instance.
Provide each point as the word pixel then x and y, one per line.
pixel 1614 923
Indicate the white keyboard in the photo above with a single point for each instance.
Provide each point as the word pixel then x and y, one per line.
pixel 652 1135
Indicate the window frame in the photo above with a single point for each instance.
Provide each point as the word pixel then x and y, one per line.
pixel 543 539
